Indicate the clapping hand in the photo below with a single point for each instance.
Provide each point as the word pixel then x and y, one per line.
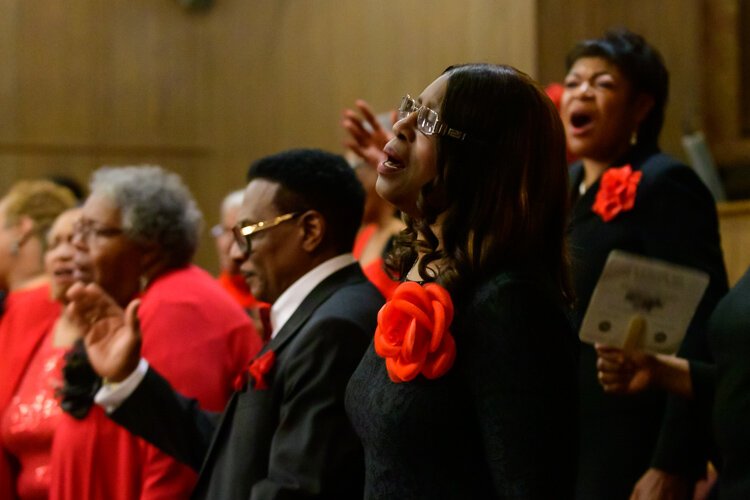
pixel 112 336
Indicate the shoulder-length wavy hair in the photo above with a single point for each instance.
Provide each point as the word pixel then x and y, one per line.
pixel 499 198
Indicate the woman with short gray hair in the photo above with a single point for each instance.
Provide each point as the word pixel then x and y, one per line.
pixel 136 237
pixel 155 207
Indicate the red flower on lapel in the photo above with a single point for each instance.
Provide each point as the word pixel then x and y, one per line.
pixel 412 333
pixel 240 380
pixel 257 369
pixel 616 192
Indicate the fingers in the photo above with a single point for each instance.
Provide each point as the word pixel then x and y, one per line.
pixel 367 112
pixel 89 304
pixel 354 124
pixel 611 365
pixel 615 381
pixel 603 349
pixel 614 371
pixel 81 326
pixel 75 290
pixel 360 139
pixel 81 311
pixel 131 317
pixel 84 293
pixel 613 378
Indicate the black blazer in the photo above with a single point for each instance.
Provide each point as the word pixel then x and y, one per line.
pixel 674 219
pixel 291 440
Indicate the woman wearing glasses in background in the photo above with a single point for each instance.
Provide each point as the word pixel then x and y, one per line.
pixel 230 278
pixel 469 389
pixel 136 236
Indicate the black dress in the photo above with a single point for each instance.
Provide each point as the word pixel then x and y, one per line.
pixel 499 424
pixel 674 219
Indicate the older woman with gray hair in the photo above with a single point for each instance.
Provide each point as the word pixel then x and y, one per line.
pixel 136 236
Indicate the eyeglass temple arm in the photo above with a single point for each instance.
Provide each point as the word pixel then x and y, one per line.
pixel 441 128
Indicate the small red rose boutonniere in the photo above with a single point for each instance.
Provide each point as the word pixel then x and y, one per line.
pixel 257 370
pixel 412 333
pixel 616 194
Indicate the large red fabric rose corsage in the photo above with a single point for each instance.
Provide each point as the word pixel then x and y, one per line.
pixel 412 333
pixel 257 370
pixel 616 192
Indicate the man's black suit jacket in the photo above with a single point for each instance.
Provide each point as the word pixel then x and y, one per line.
pixel 291 440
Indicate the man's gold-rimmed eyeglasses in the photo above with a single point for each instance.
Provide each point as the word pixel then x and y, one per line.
pixel 242 231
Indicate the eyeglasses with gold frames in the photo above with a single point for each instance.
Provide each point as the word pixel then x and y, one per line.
pixel 242 231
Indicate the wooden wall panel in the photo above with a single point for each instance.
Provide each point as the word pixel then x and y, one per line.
pixel 56 51
pixel 95 82
pixel 734 219
pixel 744 43
pixel 302 62
pixel 727 67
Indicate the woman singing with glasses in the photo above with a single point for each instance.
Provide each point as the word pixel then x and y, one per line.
pixel 468 389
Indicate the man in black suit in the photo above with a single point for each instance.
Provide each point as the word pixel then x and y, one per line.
pixel 284 433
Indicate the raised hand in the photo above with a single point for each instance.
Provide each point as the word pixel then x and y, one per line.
pixel 112 336
pixel 366 143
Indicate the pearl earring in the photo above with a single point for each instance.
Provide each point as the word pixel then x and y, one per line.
pixel 634 138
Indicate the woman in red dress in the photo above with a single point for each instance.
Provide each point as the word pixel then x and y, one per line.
pixel 136 237
pixel 30 339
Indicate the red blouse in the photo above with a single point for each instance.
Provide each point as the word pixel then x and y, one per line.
pixel 29 421
pixel 375 269
pixel 28 318
pixel 199 340
pixel 236 286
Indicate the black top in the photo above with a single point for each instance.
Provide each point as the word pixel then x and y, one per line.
pixel 674 219
pixel 499 424
pixel 725 387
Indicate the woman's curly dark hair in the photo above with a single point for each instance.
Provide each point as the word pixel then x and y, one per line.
pixel 502 197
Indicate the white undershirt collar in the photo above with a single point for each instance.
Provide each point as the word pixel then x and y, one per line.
pixel 288 302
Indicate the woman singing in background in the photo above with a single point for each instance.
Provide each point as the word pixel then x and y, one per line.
pixel 628 195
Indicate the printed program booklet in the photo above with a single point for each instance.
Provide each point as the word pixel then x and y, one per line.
pixel 642 303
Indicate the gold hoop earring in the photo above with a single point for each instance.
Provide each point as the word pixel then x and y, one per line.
pixel 634 138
